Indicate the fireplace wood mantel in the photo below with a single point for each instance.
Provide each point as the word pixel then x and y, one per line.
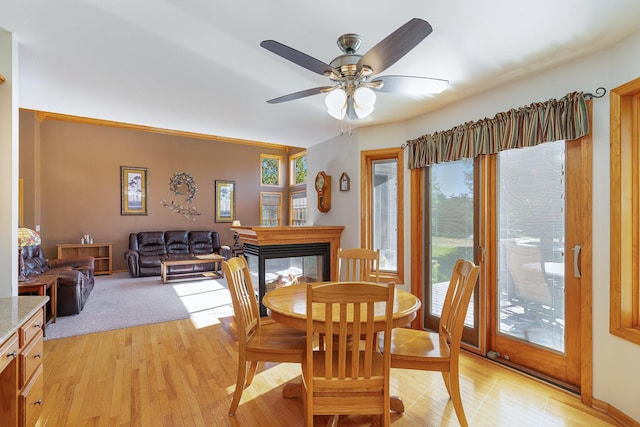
pixel 264 236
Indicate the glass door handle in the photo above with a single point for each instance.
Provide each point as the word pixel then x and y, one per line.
pixel 576 256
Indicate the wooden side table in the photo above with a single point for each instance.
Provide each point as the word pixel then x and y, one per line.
pixel 40 284
pixel 237 251
pixel 101 252
pixel 214 259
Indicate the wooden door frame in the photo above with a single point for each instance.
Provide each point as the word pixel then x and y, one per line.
pixel 418 254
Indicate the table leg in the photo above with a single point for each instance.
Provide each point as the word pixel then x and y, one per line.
pixel 218 267
pixel 397 405
pixel 163 272
pixel 42 291
pixel 54 301
pixel 291 390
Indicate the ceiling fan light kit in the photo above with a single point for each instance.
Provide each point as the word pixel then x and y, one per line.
pixel 364 99
pixel 336 102
pixel 361 103
pixel 353 93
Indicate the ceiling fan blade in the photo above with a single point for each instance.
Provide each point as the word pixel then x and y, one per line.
pixel 301 94
pixel 297 57
pixel 411 85
pixel 395 45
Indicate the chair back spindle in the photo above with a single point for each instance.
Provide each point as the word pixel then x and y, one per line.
pixel 358 264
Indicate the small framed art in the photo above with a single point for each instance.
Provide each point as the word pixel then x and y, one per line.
pixel 225 201
pixel 133 191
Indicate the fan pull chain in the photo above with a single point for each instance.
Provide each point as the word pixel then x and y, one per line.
pixel 342 127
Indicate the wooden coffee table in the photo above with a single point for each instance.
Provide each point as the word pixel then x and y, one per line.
pixel 40 284
pixel 214 259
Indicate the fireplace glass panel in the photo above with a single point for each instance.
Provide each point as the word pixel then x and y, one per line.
pixel 281 272
pixel 272 267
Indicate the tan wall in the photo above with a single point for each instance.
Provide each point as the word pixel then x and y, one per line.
pixel 78 180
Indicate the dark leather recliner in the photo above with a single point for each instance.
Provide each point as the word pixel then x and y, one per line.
pixel 75 277
pixel 147 250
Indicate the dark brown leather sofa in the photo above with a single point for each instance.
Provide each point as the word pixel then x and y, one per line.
pixel 75 277
pixel 147 250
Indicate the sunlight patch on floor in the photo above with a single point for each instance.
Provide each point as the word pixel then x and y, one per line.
pixel 268 377
pixel 205 300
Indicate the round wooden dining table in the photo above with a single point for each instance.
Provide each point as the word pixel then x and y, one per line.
pixel 288 305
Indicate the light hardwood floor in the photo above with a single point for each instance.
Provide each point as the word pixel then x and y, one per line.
pixel 174 374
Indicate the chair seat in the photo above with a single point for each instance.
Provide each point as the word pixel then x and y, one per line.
pixel 275 340
pixel 417 349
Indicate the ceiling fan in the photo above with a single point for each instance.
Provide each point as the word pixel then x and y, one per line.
pixel 352 93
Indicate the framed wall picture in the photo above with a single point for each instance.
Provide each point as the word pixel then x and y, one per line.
pixel 270 166
pixel 225 201
pixel 345 182
pixel 133 191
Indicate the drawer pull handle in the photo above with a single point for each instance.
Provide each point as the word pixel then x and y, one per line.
pixel 38 325
pixel 38 356
pixel 38 402
pixel 14 354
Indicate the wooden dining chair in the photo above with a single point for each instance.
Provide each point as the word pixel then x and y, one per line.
pixel 431 351
pixel 257 342
pixel 358 264
pixel 348 375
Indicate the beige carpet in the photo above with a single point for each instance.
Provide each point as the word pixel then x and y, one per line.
pixel 118 301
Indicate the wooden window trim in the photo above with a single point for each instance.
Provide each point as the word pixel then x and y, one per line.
pixel 367 157
pixel 279 173
pixel 271 193
pixel 291 197
pixel 292 169
pixel 624 319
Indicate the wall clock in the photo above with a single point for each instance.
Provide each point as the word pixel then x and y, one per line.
pixel 323 188
pixel 345 182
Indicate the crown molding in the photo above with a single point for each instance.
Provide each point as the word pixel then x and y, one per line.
pixel 45 115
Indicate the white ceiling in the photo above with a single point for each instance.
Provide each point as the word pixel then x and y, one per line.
pixel 197 65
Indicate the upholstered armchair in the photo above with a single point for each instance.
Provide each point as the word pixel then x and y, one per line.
pixel 75 277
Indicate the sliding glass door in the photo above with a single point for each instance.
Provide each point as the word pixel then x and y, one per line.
pixel 536 300
pixel 520 215
pixel 451 227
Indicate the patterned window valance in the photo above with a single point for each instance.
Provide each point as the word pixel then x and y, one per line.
pixel 564 118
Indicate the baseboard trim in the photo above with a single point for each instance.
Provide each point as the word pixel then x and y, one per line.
pixel 620 417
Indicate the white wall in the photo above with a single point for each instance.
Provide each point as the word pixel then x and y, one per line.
pixel 8 165
pixel 340 154
pixel 616 377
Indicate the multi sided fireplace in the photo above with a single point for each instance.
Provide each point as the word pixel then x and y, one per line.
pixel 282 256
pixel 274 266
